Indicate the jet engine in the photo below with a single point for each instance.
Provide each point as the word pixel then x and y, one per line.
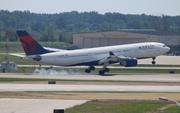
pixel 129 62
pixel 37 58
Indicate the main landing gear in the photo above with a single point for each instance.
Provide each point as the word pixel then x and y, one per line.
pixel 104 69
pixel 153 62
pixel 101 72
pixel 89 69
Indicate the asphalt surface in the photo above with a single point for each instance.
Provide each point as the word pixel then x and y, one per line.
pixel 123 77
pixel 86 87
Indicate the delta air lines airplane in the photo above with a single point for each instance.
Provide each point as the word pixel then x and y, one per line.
pixel 126 55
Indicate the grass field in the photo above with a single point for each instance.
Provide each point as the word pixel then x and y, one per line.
pixel 124 106
pixel 103 102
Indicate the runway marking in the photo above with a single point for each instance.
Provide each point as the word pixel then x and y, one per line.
pixel 68 90
pixel 119 90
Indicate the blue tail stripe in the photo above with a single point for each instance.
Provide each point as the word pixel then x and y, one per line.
pixel 40 50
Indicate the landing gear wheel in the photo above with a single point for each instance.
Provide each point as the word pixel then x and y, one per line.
pixel 101 72
pixel 153 62
pixel 88 71
pixel 92 68
pixel 106 69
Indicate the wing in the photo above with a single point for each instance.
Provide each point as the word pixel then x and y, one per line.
pixel 124 61
pixel 112 58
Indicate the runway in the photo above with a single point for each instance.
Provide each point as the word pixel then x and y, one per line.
pixel 93 87
pixel 123 77
pixel 87 88
pixel 10 105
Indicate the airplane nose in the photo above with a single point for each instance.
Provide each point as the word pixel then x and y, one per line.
pixel 168 48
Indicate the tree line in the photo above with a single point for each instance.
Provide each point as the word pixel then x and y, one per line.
pixel 61 26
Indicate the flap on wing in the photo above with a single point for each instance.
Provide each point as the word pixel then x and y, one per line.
pixel 121 57
pixel 112 57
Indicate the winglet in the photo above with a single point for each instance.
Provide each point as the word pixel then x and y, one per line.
pixel 30 46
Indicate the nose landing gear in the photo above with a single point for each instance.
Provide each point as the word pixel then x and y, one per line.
pixel 153 62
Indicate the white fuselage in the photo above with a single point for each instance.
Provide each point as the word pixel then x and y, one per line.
pixel 91 56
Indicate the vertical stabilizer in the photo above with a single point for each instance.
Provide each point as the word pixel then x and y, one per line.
pixel 29 44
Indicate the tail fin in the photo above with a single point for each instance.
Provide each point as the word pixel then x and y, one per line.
pixel 30 46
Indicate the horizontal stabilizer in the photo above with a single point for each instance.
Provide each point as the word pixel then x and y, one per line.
pixel 54 49
pixel 18 55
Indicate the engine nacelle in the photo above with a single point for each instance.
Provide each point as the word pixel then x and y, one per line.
pixel 129 62
pixel 37 58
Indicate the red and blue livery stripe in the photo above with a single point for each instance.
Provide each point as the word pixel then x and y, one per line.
pixel 29 44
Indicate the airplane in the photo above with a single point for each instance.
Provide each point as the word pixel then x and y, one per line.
pixel 126 55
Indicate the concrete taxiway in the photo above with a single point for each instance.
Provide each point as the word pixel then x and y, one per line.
pixel 9 105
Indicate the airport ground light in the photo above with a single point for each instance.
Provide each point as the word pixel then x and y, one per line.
pixel 166 99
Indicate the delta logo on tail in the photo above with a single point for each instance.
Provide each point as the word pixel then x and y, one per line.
pixel 30 46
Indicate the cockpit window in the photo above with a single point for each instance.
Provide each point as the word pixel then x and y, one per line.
pixel 164 46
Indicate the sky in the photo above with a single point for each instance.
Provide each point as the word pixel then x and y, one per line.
pixel 148 7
